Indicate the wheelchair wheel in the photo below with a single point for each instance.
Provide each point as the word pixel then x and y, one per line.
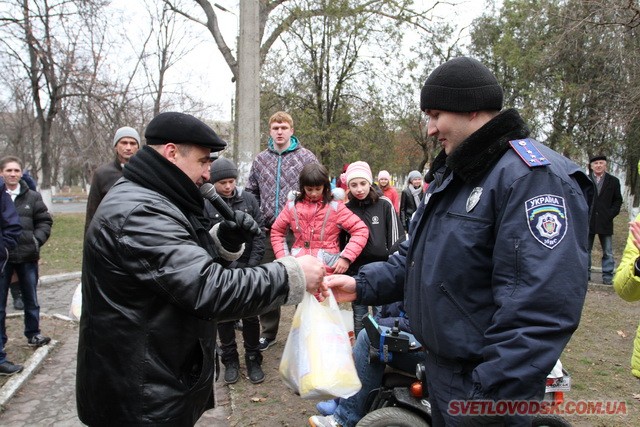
pixel 549 421
pixel 392 417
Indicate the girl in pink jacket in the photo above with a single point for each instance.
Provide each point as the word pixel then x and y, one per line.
pixel 316 220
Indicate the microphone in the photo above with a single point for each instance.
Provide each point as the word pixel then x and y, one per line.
pixel 208 191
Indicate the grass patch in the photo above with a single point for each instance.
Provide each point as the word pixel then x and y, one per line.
pixel 63 251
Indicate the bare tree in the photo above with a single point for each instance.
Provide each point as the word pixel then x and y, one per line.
pixel 278 17
pixel 43 38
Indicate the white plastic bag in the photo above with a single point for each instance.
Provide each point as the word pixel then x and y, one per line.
pixel 75 309
pixel 317 362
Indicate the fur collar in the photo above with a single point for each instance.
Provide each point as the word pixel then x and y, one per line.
pixel 482 149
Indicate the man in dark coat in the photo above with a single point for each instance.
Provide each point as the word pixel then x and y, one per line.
pixel 126 143
pixel 154 284
pixel 606 207
pixel 23 259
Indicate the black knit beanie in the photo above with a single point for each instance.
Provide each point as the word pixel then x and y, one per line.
pixel 223 168
pixel 461 85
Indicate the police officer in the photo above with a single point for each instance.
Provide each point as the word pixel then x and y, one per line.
pixel 493 275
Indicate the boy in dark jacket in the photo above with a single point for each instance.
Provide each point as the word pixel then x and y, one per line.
pixel 223 176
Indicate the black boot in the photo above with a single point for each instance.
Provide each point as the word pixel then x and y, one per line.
pixel 231 371
pixel 253 361
pixel 18 304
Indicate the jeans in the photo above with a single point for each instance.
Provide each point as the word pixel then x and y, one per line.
pixel 227 335
pixel 351 410
pixel 608 263
pixel 359 313
pixel 27 273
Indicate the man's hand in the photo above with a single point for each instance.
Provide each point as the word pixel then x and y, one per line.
pixel 343 287
pixel 314 273
pixel 232 234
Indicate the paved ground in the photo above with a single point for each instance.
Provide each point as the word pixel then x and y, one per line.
pixel 47 398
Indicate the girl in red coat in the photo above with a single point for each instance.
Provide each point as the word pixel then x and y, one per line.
pixel 316 221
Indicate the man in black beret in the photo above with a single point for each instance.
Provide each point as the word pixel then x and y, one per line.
pixel 606 207
pixel 154 284
pixel 512 216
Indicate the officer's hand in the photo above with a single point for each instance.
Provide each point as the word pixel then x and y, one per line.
pixel 232 234
pixel 343 287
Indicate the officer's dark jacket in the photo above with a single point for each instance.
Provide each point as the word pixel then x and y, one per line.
pixel 494 272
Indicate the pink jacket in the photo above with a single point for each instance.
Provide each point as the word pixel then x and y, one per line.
pixel 316 229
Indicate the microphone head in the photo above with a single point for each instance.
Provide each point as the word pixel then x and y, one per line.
pixel 208 190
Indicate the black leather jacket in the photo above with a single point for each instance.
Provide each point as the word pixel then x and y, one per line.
pixel 151 298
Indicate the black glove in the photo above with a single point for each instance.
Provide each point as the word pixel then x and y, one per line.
pixel 233 234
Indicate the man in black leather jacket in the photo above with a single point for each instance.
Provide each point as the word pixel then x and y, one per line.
pixel 154 284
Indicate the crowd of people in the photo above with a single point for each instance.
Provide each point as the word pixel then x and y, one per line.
pixel 168 275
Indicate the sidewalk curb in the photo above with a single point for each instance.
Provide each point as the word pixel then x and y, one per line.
pixel 30 367
pixel 11 387
pixel 56 278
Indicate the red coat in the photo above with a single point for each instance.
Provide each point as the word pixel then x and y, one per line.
pixel 391 194
pixel 316 228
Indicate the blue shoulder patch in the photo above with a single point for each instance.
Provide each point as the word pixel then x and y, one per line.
pixel 528 152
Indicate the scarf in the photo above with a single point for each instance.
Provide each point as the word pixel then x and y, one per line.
pixel 150 170
pixel 416 193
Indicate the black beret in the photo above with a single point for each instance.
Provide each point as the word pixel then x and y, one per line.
pixel 599 157
pixel 181 128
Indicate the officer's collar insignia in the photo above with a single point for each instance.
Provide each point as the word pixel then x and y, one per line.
pixel 474 198
pixel 547 219
pixel 528 152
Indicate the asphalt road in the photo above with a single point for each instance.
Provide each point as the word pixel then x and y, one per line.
pixel 71 207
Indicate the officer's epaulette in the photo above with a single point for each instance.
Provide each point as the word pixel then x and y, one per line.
pixel 529 153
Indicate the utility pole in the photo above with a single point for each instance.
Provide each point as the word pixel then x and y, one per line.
pixel 247 145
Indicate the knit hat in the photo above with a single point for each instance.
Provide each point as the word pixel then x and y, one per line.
pixel 223 168
pixel 461 85
pixel 181 128
pixel 413 175
pixel 359 170
pixel 384 175
pixel 126 132
pixel 599 157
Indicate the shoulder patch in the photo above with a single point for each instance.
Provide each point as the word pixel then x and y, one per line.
pixel 547 219
pixel 528 152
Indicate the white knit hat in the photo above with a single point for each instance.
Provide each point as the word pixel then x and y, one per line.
pixel 126 132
